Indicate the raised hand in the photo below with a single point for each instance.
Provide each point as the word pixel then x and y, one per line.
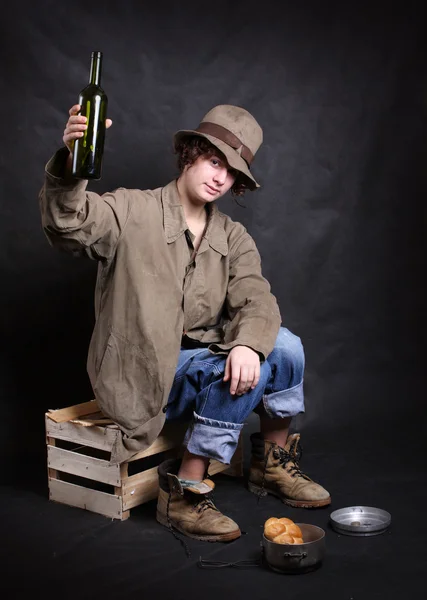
pixel 75 127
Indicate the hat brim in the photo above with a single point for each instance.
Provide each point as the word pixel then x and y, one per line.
pixel 233 158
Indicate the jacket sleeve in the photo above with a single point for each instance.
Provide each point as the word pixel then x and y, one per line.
pixel 77 221
pixel 252 309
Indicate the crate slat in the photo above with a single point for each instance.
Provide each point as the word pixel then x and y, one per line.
pixel 171 436
pixel 140 488
pixel 73 412
pixel 97 469
pixel 216 467
pixel 108 505
pixel 95 437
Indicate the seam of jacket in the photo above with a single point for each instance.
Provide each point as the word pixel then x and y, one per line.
pixel 250 238
pixel 93 246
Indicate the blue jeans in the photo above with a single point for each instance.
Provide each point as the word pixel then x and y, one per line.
pixel 200 396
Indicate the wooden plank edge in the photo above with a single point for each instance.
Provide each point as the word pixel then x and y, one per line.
pixel 102 438
pixel 170 437
pixel 89 467
pixel 61 415
pixel 108 505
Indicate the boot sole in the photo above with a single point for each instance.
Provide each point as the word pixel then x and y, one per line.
pixel 222 537
pixel 258 491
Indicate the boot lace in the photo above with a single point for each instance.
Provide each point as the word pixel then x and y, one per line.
pixel 171 528
pixel 204 504
pixel 292 456
pixel 262 492
pixel 200 505
pixel 284 457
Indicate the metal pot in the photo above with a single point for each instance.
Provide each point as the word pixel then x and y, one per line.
pixel 360 520
pixel 296 558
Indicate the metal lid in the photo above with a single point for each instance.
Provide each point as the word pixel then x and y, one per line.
pixel 360 520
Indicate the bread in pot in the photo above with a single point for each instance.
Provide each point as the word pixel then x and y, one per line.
pixel 282 531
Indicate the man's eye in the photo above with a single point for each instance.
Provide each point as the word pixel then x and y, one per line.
pixel 215 161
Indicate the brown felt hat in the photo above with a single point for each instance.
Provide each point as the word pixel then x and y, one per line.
pixel 235 132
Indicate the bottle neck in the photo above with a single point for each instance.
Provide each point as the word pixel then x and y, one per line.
pixel 95 69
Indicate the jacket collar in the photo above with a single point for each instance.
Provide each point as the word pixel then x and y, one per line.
pixel 175 225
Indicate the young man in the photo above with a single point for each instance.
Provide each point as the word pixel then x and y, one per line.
pixel 186 326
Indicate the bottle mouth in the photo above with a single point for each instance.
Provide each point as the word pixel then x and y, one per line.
pixel 96 54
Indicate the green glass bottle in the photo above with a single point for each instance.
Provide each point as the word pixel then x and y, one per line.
pixel 89 149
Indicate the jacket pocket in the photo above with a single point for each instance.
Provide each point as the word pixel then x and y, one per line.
pixel 127 388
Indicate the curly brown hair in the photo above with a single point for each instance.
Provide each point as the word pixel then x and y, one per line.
pixel 191 147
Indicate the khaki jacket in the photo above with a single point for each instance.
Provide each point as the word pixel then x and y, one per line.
pixel 149 292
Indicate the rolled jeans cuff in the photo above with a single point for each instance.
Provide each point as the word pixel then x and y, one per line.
pixel 285 403
pixel 214 439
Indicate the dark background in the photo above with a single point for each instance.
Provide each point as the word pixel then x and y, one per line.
pixel 340 91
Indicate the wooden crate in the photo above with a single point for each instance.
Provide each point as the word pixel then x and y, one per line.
pixel 79 441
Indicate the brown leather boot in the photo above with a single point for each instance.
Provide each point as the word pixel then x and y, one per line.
pixel 191 510
pixel 275 470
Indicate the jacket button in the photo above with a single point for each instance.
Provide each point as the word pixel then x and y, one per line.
pixel 164 409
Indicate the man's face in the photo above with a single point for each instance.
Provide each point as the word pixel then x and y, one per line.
pixel 207 179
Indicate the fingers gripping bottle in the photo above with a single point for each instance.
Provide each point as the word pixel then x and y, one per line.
pixel 89 149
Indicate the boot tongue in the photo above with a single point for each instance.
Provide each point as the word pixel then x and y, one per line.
pixel 292 444
pixel 203 487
